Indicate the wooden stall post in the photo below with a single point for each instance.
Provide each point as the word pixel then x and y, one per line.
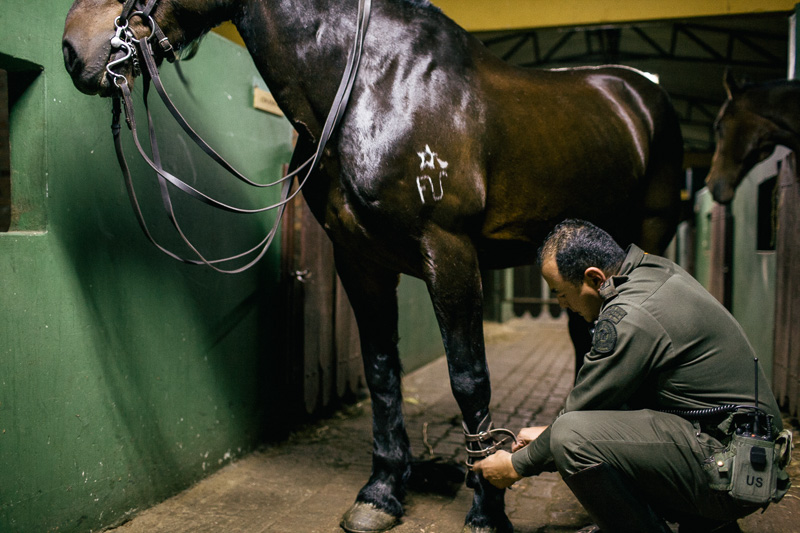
pixel 786 377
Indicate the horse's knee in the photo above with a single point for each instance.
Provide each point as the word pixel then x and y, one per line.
pixel 471 389
pixel 385 385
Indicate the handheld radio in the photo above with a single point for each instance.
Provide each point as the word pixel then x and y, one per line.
pixel 754 469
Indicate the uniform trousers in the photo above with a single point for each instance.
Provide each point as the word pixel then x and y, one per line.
pixel 660 454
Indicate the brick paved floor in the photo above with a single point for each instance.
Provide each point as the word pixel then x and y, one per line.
pixel 305 484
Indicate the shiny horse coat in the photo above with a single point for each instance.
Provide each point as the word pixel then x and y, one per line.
pixel 448 160
pixel 751 123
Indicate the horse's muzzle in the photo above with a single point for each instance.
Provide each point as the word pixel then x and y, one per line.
pixel 722 192
pixel 86 64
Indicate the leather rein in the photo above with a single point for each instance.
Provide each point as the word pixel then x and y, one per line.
pixel 140 50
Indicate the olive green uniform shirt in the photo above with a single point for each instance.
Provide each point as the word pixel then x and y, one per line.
pixel 661 342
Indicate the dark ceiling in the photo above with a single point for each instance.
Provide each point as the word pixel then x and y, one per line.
pixel 688 56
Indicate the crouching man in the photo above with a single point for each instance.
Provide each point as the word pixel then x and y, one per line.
pixel 660 424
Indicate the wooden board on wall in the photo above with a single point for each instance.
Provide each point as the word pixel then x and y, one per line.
pixel 721 252
pixel 349 369
pixel 786 378
pixel 323 350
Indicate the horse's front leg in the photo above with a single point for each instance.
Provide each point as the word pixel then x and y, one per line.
pixel 454 283
pixel 372 291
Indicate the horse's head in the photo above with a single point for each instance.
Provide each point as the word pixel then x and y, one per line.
pixel 91 26
pixel 744 138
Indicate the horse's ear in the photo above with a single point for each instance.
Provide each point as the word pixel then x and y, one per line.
pixel 731 85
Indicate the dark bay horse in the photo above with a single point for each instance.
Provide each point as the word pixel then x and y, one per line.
pixel 751 123
pixel 447 160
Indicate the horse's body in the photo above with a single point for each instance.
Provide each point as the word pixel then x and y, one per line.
pixel 447 160
pixel 751 123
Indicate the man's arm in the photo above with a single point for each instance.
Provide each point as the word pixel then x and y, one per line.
pixel 534 458
pixel 499 469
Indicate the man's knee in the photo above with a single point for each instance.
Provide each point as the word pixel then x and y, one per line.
pixel 570 442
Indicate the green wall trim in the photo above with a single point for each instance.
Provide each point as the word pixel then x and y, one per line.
pixel 124 375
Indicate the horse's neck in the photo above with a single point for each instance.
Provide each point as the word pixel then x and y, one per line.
pixel 196 18
pixel 300 48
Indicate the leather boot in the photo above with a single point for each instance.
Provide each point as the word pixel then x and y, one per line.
pixel 611 502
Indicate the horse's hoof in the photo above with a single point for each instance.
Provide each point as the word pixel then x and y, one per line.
pixel 367 518
pixel 468 528
pixel 501 528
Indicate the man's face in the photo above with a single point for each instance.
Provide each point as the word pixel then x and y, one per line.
pixel 583 299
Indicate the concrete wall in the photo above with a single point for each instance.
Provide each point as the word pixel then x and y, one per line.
pixel 126 376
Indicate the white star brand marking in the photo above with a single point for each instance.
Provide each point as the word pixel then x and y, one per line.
pixel 426 163
pixel 429 160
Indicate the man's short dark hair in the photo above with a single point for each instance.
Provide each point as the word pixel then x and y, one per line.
pixel 578 245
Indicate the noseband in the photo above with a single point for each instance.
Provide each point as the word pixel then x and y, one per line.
pixel 130 49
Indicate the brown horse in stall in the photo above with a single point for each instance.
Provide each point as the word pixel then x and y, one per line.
pixel 751 123
pixel 446 160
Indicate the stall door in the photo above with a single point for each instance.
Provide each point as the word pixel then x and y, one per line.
pixel 324 362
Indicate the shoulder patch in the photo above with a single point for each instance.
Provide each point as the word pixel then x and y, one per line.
pixel 615 313
pixel 605 336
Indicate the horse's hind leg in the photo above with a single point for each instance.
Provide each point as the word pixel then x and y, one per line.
pixel 454 284
pixel 372 294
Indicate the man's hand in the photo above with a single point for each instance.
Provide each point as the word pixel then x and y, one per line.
pixel 526 436
pixel 498 470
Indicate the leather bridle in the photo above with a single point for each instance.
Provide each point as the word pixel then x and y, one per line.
pixel 135 50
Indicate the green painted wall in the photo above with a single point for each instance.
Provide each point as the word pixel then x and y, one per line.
pixel 126 376
pixel 420 340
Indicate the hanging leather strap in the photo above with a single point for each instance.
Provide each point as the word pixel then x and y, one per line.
pixel 334 116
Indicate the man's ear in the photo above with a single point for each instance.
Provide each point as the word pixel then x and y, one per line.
pixel 594 277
